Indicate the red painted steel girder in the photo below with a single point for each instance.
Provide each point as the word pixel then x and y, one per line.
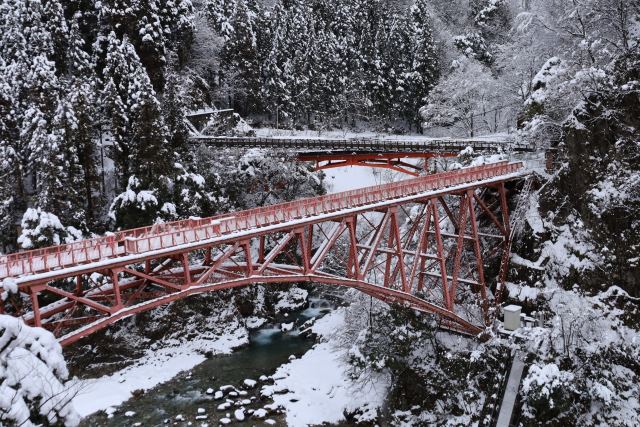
pixel 382 160
pixel 331 239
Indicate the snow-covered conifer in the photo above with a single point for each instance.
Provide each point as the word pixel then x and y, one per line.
pixel 32 375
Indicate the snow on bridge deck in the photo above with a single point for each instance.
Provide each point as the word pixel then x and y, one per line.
pixel 387 145
pixel 136 245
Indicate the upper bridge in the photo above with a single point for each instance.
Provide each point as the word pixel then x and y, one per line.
pixel 364 145
pixel 386 153
pixel 423 242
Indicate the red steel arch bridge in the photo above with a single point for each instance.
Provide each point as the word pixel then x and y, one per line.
pixel 424 242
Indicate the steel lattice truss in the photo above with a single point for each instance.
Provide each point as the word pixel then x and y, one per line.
pixel 423 242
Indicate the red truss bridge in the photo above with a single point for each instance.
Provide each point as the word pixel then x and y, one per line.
pixel 424 242
pixel 386 153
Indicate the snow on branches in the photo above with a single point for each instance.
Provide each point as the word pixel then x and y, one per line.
pixel 32 371
pixel 40 229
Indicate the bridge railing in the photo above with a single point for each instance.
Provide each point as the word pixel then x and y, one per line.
pixel 142 240
pixel 366 144
pixel 172 234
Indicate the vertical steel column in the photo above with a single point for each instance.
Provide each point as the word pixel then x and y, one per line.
pixel 375 243
pixel 78 290
pixel 479 260
pixel 35 305
pixel 261 250
pixel 249 259
pixel 117 297
pixel 506 254
pixel 306 264
pixel 462 226
pixel 389 255
pixel 419 261
pixel 399 250
pixel 309 241
pixel 353 264
pixel 441 258
pixel 186 270
pixel 407 241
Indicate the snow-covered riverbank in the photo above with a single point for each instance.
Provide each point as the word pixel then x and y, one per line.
pixel 316 388
pixel 155 367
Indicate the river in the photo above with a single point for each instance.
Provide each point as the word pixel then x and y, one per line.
pixel 195 396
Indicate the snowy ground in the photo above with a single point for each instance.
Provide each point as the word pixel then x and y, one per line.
pixel 350 178
pixel 316 389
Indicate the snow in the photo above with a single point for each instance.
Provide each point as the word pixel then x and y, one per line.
pixel 250 383
pixel 43 228
pixel 523 292
pixel 32 368
pixel 532 215
pixel 318 382
pixel 266 132
pixel 239 414
pixel 603 392
pixel 291 299
pixel 350 178
pixel 9 286
pixel 570 248
pixel 254 322
pixel 259 413
pixel 153 368
pixel 550 71
pixel 546 378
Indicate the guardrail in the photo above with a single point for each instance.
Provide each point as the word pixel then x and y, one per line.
pixel 167 235
pixel 362 144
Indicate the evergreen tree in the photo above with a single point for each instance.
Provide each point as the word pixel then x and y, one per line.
pixel 136 206
pixel 120 66
pixel 12 197
pixel 423 72
pixel 59 178
pixel 150 155
pixel 240 61
pixel 139 132
pixel 80 89
pixel 176 17
pixel 222 13
pixel 275 91
pixel 173 108
pixel 139 22
pixel 55 25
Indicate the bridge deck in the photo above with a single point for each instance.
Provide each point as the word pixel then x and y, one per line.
pixel 363 145
pixel 121 248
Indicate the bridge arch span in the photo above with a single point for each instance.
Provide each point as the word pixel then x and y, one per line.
pixel 450 319
pixel 422 242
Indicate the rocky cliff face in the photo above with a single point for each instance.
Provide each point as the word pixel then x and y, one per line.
pixel 598 188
